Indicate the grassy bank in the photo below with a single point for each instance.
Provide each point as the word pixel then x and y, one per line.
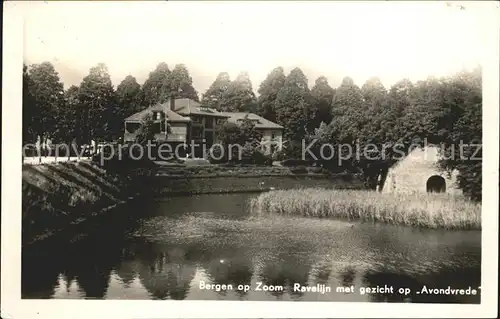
pixel 57 195
pixel 418 210
pixel 207 171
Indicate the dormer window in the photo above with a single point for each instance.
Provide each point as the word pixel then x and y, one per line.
pixel 158 115
pixel 254 121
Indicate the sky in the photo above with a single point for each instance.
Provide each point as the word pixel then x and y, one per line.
pixel 391 40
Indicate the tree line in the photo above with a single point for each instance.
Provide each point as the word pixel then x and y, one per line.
pixel 94 109
pixel 444 110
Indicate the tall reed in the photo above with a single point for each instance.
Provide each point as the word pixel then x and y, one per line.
pixel 416 209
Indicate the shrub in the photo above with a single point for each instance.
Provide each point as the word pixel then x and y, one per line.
pixel 315 170
pixel 299 170
pixel 296 162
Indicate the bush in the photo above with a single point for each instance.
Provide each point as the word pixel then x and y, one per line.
pixel 296 162
pixel 260 158
pixel 299 170
pixel 214 155
pixel 315 170
pixel 249 155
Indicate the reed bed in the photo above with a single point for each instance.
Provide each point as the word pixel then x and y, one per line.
pixel 407 209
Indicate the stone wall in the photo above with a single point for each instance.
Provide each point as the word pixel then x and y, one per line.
pixel 411 173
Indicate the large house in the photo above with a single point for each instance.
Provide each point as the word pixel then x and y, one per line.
pixel 191 123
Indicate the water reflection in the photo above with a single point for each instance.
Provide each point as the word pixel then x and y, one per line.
pixel 235 270
pixel 163 256
pixel 347 276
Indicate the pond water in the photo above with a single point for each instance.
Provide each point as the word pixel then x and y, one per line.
pixel 166 249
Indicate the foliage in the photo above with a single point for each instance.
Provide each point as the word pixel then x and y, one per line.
pixel 239 96
pixel 322 95
pixel 130 100
pixel 231 133
pixel 356 123
pixel 437 110
pixel 30 110
pixel 129 97
pixel 464 122
pixel 45 98
pixel 419 210
pixel 69 122
pixel 268 92
pixel 181 84
pixel 145 132
pixel 156 88
pixel 374 92
pixel 293 106
pixel 214 95
pixel 98 100
pixel 239 141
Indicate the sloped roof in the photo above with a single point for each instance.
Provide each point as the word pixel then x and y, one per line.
pixel 190 107
pixel 171 115
pixel 260 122
pixel 183 108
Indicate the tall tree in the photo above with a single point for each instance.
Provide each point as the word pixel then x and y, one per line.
pixel 98 100
pixel 30 110
pixel 377 110
pixel 129 97
pixel 239 96
pixel 347 96
pixel 348 110
pixel 146 131
pixel 293 103
pixel 268 92
pixel 181 84
pixel 69 118
pixel 399 99
pixel 157 86
pixel 401 93
pixel 461 127
pixel 425 118
pixel 322 95
pixel 48 94
pixel 374 92
pixel 243 134
pixel 356 126
pixel 214 95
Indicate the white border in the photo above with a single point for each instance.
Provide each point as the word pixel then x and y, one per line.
pixel 14 307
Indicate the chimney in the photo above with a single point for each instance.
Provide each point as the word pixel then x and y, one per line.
pixel 172 102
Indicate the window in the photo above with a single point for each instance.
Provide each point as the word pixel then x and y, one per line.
pixel 196 119
pixel 255 122
pixel 196 132
pixel 209 122
pixel 205 109
pixel 209 138
pixel 157 127
pixel 132 127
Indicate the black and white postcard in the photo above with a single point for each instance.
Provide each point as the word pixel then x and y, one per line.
pixel 191 159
